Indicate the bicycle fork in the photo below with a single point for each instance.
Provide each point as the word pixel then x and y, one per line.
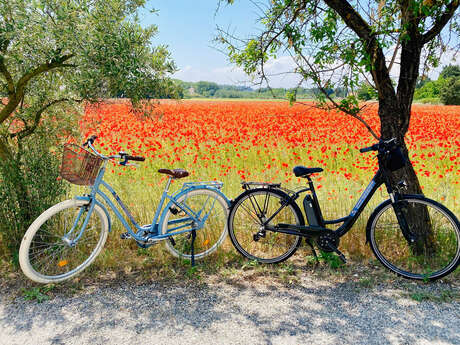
pixel 399 207
pixel 66 238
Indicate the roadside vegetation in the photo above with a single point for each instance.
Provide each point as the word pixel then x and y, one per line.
pixel 87 51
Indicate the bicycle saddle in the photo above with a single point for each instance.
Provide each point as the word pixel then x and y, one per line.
pixel 175 173
pixel 301 171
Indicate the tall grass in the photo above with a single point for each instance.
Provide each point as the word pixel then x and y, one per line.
pixel 140 188
pixel 254 153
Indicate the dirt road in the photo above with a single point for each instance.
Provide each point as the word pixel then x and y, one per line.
pixel 310 312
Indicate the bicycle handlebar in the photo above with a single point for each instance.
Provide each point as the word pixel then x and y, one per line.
pixel 370 148
pixel 383 144
pixel 122 155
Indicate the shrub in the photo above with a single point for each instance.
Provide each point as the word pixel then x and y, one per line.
pixel 366 92
pixel 28 186
pixel 450 92
pixel 430 89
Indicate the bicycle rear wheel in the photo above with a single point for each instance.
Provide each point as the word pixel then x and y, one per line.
pixel 246 230
pixel 430 248
pixel 46 256
pixel 208 204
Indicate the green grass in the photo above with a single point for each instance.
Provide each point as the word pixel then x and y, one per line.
pixel 141 188
pixel 443 296
pixel 39 294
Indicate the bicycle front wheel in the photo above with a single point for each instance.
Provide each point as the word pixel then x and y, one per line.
pixel 245 224
pixel 209 207
pixel 49 254
pixel 428 249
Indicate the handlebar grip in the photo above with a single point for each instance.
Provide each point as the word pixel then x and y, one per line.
pixel 365 149
pixel 374 147
pixel 90 140
pixel 135 158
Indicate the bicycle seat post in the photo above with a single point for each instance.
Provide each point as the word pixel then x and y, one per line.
pixel 168 183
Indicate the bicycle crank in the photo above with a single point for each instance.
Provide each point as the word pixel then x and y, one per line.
pixel 328 242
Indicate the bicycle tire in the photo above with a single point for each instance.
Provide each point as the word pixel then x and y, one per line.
pixel 242 234
pixel 210 236
pixel 37 255
pixel 424 259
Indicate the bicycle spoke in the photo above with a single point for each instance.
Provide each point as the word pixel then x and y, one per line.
pixel 50 256
pixel 251 214
pixel 247 232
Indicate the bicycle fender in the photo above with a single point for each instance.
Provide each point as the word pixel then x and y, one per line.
pixel 227 200
pixel 101 205
pixel 218 191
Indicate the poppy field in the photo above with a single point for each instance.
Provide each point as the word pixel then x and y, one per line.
pixel 234 141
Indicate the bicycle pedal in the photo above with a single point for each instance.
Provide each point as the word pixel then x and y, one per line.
pixel 172 241
pixel 125 236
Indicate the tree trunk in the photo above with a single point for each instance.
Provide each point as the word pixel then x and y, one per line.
pixel 393 117
pixel 395 113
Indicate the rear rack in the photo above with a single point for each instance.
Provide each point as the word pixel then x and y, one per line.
pixel 292 193
pixel 250 185
pixel 213 184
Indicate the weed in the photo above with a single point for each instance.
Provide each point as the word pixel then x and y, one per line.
pixel 366 282
pixel 443 296
pixel 310 260
pixel 192 272
pixel 37 293
pixel 250 264
pixel 331 259
pixel 288 268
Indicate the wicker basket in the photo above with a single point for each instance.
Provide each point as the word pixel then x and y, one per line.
pixel 79 166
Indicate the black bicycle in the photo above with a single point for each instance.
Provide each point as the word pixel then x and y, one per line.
pixel 411 235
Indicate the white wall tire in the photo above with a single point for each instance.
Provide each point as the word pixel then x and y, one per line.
pixel 30 242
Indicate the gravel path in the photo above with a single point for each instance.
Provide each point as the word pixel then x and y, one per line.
pixel 311 312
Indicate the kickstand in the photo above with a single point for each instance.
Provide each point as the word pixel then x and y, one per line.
pixel 314 252
pixel 193 247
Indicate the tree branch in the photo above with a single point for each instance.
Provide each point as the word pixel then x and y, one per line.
pixel 355 22
pixel 441 22
pixel 294 17
pixel 393 58
pixel 18 94
pixel 29 130
pixel 56 63
pixel 7 75
pixel 335 104
pixel 352 19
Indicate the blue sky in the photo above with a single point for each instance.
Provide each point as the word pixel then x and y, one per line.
pixel 189 26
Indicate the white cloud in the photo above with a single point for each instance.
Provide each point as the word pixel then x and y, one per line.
pixel 275 68
pixel 280 72
pixel 449 57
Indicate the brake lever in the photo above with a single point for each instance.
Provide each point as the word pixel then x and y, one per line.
pixel 126 164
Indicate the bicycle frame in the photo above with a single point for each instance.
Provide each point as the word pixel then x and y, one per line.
pixel 348 221
pixel 153 231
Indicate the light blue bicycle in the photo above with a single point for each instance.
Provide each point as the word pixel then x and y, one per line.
pixel 66 238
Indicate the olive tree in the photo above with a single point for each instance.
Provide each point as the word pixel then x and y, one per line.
pixel 54 55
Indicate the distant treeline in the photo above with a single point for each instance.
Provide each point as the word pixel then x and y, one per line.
pixel 206 89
